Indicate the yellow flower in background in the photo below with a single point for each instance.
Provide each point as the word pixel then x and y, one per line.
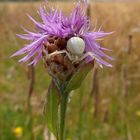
pixel 138 113
pixel 18 132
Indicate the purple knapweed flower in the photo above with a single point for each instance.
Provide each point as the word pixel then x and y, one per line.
pixel 73 31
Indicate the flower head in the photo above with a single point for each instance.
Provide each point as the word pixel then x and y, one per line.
pixel 18 131
pixel 56 29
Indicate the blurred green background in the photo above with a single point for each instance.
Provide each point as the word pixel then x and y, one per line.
pixel 106 107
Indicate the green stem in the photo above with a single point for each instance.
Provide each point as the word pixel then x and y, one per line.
pixel 63 109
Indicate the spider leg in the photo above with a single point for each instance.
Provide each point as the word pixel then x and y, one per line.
pixel 92 55
pixel 86 55
pixel 61 52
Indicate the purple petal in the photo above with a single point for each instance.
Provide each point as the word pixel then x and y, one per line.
pixel 43 16
pixel 29 47
pixel 32 52
pixel 25 36
pixel 39 25
pixel 92 46
pixel 34 62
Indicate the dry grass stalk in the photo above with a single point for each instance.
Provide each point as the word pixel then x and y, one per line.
pixel 130 37
pixel 31 77
pixel 95 92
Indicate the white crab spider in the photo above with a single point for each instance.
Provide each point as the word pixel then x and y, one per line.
pixel 76 48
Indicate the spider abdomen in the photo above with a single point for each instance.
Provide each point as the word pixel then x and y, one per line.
pixel 76 46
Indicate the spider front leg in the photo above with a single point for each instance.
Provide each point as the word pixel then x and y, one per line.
pixel 82 57
pixel 61 52
pixel 90 54
pixel 98 58
pixel 86 55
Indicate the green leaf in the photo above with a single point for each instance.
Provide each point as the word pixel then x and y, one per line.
pixel 79 76
pixel 51 108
